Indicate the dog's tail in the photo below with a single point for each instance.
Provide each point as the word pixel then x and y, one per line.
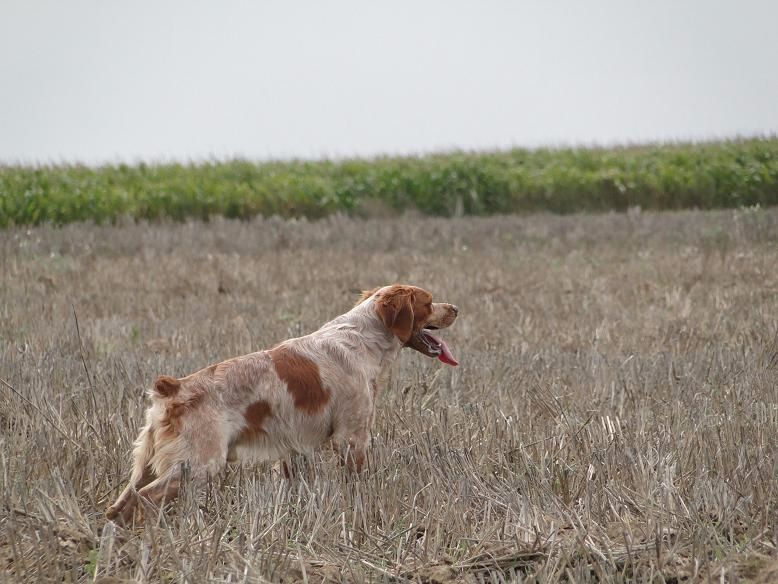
pixel 166 386
pixel 142 474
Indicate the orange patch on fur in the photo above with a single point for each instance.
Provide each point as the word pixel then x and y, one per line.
pixel 302 379
pixel 255 417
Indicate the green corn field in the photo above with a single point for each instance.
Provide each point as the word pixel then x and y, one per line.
pixel 711 175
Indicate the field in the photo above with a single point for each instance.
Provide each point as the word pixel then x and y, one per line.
pixel 715 175
pixel 613 418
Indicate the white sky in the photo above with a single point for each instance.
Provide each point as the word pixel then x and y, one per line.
pixel 104 80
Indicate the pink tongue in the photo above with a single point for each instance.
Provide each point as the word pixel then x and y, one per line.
pixel 446 355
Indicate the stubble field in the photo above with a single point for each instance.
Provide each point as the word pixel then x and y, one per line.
pixel 614 415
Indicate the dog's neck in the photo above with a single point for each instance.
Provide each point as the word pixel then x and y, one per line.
pixel 366 337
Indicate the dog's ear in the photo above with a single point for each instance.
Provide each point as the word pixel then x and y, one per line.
pixel 395 308
pixel 366 294
pixel 166 386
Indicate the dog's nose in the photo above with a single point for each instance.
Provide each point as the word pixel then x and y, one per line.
pixel 455 309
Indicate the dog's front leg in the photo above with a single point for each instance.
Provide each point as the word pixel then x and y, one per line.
pixel 353 450
pixel 352 429
pixel 296 465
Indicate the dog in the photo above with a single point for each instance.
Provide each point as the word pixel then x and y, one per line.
pixel 287 400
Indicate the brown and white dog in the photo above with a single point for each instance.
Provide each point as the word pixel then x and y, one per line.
pixel 289 399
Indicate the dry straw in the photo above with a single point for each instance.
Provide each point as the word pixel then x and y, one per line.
pixel 614 416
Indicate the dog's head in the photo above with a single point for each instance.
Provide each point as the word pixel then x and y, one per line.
pixel 410 314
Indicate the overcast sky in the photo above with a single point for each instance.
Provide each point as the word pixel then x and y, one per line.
pixel 104 80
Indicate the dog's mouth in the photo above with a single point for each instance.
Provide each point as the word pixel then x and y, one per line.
pixel 428 344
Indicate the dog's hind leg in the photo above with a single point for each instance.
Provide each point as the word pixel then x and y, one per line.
pixel 203 455
pixel 162 490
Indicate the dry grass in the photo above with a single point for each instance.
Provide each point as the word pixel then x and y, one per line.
pixel 614 416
